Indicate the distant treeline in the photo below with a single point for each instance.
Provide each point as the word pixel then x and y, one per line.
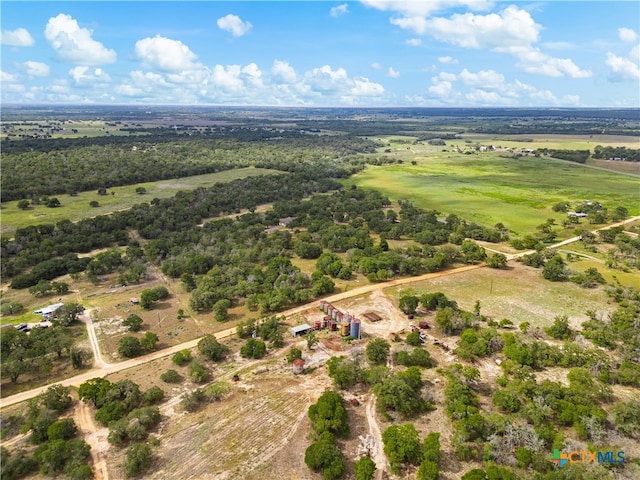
pixel 578 156
pixel 72 166
pixel 617 153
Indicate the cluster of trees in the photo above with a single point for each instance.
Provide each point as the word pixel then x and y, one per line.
pixel 151 295
pixel 623 153
pixel 402 447
pixel 38 352
pixel 130 346
pixel 74 166
pixel 555 269
pixel 579 156
pixel 130 415
pixel 58 450
pixel 328 419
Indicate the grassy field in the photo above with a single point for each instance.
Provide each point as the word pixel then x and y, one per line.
pixel 77 208
pixel 489 187
pixel 519 294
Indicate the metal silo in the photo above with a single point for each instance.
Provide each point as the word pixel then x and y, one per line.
pixel 355 327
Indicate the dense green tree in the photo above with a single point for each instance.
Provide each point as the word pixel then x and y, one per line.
pixel 134 322
pixel 63 429
pixel 67 314
pixel 152 396
pixel 210 348
pixel 198 373
pixel 138 459
pixel 408 303
pixel 324 455
pixel 497 260
pixel 414 339
pixel 171 376
pixel 560 328
pixel 419 357
pixel 365 469
pixel 221 310
pixel 344 372
pixel 129 347
pixel 472 252
pixel 378 351
pixel 182 357
pixel 57 398
pixel 402 445
pixel 293 354
pixel 149 341
pixel 554 269
pixel 328 414
pixel 253 348
pixel 401 394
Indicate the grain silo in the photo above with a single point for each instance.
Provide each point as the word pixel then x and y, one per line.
pixel 355 327
pixel 344 329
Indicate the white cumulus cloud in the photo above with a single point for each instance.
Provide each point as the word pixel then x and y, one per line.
pixel 447 59
pixel 393 73
pixel 234 25
pixel 326 79
pixel 88 76
pixel 364 87
pixel 512 31
pixel 339 10
pixel 414 42
pixel 488 79
pixel 20 37
pixel 622 68
pixel 511 27
pixel 165 54
pixel 36 69
pixel 488 87
pixel 75 44
pixel 627 35
pixel 283 72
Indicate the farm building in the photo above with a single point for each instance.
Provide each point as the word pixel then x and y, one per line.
pixel 299 330
pixel 48 311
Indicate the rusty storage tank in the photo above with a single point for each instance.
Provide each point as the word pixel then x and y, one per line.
pixel 344 329
pixel 333 325
pixel 423 324
pixel 355 328
pixel 318 325
pixel 325 321
pixel 333 312
pixel 339 316
pixel 298 366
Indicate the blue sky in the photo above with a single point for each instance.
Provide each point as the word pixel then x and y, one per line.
pixel 320 53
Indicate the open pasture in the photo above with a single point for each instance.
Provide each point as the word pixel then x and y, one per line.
pixel 519 294
pixel 77 207
pixel 491 187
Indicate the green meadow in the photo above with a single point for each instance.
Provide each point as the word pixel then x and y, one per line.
pixel 77 207
pixel 492 187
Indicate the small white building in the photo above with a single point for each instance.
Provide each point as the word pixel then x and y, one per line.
pixel 47 312
pixel 300 330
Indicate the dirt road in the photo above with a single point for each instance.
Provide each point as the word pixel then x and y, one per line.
pixel 378 456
